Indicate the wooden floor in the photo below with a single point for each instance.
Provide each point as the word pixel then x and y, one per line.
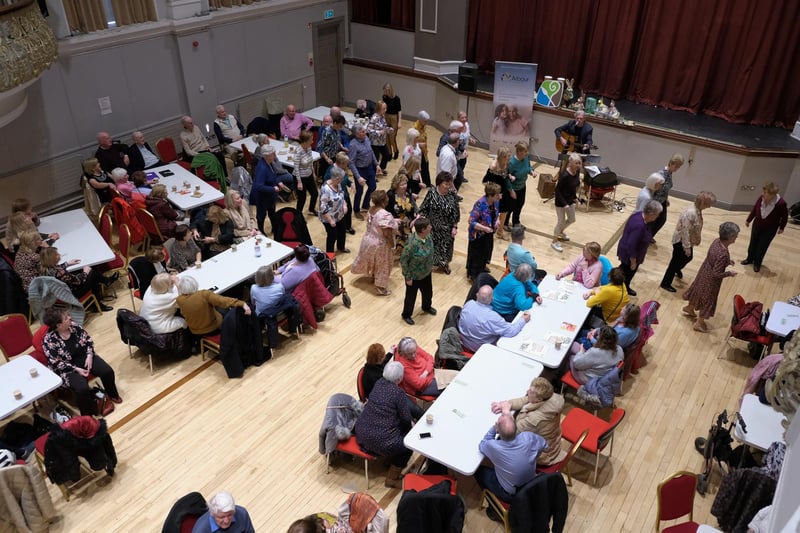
pixel 189 428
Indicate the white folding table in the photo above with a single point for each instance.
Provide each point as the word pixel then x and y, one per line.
pixel 174 175
pixel 78 238
pixel 229 268
pixel 16 376
pixel 462 414
pixel 319 112
pixel 763 423
pixel 284 153
pixel 561 313
pixel 783 319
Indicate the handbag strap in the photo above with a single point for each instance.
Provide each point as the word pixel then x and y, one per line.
pixel 621 295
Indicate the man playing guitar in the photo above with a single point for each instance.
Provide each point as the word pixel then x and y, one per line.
pixel 575 135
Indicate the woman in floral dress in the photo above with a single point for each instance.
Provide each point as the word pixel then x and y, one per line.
pixel 440 206
pixel 375 256
pixel 402 207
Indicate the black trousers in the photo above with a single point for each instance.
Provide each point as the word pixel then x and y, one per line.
pixel 760 239
pixel 347 221
pixel 657 224
pixel 517 205
pixel 93 283
pixel 629 272
pixel 676 264
pixel 425 171
pixel 479 253
pixel 335 235
pixel 424 286
pixel 309 187
pixel 262 210
pixel 80 385
pixel 459 177
pixel 382 155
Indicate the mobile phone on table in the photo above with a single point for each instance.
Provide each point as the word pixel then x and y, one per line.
pixel 425 435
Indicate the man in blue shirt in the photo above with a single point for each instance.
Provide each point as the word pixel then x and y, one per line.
pixel 224 515
pixel 479 324
pixel 518 254
pixel 513 456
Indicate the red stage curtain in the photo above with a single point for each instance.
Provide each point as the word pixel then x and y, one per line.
pixel 398 14
pixel 734 59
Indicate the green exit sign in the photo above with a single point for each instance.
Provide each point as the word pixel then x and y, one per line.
pixel 329 14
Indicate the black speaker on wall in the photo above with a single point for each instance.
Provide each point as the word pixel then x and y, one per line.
pixel 467 74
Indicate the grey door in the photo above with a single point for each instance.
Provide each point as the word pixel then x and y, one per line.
pixel 328 63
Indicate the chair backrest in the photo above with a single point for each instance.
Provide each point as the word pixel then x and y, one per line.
pixel 91 201
pixel 360 385
pixel 106 227
pixel 676 497
pixel 124 242
pixel 616 417
pixel 291 226
pixel 148 222
pixel 15 335
pixel 738 306
pixel 248 157
pixel 165 147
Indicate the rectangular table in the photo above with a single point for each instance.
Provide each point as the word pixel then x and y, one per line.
pixel 230 268
pixel 462 414
pixel 15 375
pixel 319 112
pixel 783 318
pixel 561 313
pixel 763 423
pixel 282 152
pixel 185 198
pixel 78 238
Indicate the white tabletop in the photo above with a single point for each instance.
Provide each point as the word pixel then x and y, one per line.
pixel 319 112
pixel 763 424
pixel 229 268
pixel 185 198
pixel 562 312
pixel 78 238
pixel 705 528
pixel 16 376
pixel 282 152
pixel 462 414
pixel 783 318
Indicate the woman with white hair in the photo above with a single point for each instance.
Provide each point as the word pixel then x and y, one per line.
pixel 516 292
pixel 160 303
pixel 422 142
pixel 224 515
pixel 653 183
pixel 199 308
pixel 387 417
pixel 124 186
pixel 411 149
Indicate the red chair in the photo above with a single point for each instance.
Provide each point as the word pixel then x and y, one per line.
pixel 601 433
pixel 738 309
pixel 209 343
pixel 563 464
pixel 676 499
pixel 420 482
pixel 248 158
pixel 148 222
pixel 107 230
pixel 88 300
pixel 351 447
pixel 360 385
pixel 632 354
pixel 165 147
pixel 15 335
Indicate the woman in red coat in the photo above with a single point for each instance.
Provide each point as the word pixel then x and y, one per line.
pixel 769 216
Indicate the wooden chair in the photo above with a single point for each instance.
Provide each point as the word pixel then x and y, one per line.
pixel 563 464
pixel 601 433
pixel 209 343
pixel 676 499
pixel 87 475
pixel 148 222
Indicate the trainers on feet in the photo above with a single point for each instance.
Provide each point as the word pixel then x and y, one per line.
pixel 563 237
pixel 556 246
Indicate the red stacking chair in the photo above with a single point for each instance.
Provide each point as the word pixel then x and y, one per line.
pixel 601 433
pixel 165 147
pixel 676 499
pixel 15 335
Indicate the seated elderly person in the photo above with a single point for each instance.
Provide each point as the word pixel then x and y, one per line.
pixel 266 292
pixel 480 324
pixel 140 154
pixel 387 417
pixel 298 269
pixel 611 298
pixel 626 326
pixel 164 214
pixel 160 303
pixel 516 254
pixel 225 516
pixel 124 185
pixel 292 123
pixel 216 232
pixel 515 292
pixel 538 411
pixel 377 358
pixel 199 308
pixel 70 354
pixel 419 376
pixel 513 455
pixel 599 359
pixel 587 268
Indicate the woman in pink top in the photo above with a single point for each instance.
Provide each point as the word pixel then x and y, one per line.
pixel 586 267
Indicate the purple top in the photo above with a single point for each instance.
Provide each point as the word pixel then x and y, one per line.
pixel 294 273
pixel 635 239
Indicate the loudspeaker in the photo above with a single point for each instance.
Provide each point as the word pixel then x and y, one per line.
pixel 467 73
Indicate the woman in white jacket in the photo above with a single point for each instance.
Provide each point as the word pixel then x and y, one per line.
pixel 160 304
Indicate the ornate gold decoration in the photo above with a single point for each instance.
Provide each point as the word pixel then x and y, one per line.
pixel 27 45
pixel 783 392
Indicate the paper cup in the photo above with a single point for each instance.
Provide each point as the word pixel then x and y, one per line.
pixel 429 418
pixel 17 394
pixel 198 264
pixel 34 372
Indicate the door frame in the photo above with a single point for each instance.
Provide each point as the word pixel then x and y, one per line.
pixel 338 23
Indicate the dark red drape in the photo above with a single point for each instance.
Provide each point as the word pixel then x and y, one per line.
pixel 397 14
pixel 735 59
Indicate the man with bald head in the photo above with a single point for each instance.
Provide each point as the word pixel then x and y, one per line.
pixel 292 123
pixel 513 456
pixel 480 324
pixel 110 155
pixel 140 155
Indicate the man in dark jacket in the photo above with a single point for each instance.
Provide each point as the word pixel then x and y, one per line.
pixel 140 155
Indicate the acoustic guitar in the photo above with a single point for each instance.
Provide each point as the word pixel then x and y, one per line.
pixel 566 143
